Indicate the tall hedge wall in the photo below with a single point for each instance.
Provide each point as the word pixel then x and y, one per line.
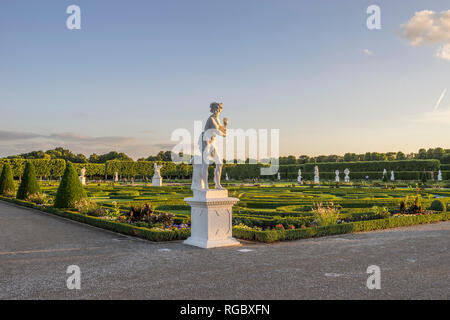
pixel 362 166
pixel 404 170
pixel 44 168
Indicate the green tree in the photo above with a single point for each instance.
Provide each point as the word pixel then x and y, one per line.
pixel 29 184
pixel 7 185
pixel 400 156
pixel 70 189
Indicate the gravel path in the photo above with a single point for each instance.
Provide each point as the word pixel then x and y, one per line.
pixel 36 249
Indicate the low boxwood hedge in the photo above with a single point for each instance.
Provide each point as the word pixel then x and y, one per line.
pixel 295 234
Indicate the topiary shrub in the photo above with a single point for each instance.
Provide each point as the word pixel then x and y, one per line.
pixel 437 205
pixel 29 185
pixel 70 189
pixel 7 186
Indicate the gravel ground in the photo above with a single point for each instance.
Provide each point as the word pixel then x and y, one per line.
pixel 36 249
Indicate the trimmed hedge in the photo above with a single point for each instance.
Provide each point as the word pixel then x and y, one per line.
pixel 379 166
pixel 438 205
pixel 29 184
pixel 43 167
pixel 70 189
pixel 92 169
pixel 123 228
pixel 7 184
pixel 404 170
pixel 282 235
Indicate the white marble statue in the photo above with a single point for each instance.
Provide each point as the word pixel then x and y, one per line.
pixel 299 177
pixel 209 150
pixel 384 173
pixel 211 209
pixel 116 176
pixel 278 176
pixel 83 177
pixel 226 176
pixel 198 183
pixel 392 175
pixel 347 177
pixel 157 170
pixel 157 179
pixel 316 175
pixel 337 179
pixel 439 177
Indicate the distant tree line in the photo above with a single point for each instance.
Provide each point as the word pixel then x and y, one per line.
pixel 441 154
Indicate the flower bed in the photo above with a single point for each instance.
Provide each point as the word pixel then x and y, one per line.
pixel 152 234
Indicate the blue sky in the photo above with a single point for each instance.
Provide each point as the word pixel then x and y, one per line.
pixel 139 69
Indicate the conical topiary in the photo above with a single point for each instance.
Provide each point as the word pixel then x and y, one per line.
pixel 29 184
pixel 70 189
pixel 7 185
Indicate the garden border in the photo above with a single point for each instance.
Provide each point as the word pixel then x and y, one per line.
pixel 123 228
pixel 351 227
pixel 242 233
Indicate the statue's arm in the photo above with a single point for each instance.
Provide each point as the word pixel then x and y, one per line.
pixel 220 129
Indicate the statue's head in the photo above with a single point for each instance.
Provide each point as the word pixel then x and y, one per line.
pixel 216 108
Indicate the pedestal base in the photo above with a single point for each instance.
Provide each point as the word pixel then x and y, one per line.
pixel 211 219
pixel 156 182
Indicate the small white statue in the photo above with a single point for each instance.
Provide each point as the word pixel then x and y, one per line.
pixel 226 176
pixel 384 173
pixel 337 176
pixel 157 170
pixel 82 176
pixel 116 176
pixel 278 176
pixel 392 175
pixel 157 179
pixel 439 177
pixel 316 175
pixel 347 177
pixel 299 178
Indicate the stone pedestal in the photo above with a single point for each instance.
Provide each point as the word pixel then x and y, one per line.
pixel 156 182
pixel 211 214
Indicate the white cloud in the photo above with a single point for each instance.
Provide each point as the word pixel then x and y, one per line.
pixel 444 52
pixel 367 52
pixel 427 28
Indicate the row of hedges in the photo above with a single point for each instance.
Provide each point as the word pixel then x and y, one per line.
pixel 371 166
pixel 43 167
pixel 344 203
pixel 281 235
pixel 404 170
pixel 123 228
pixel 373 175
